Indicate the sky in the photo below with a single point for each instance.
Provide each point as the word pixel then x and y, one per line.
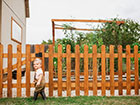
pixel 39 26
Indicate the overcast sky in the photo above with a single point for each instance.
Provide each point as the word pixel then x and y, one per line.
pixel 39 25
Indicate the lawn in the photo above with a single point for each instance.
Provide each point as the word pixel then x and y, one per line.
pixel 79 100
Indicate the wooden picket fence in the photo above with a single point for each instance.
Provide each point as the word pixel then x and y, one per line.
pixel 68 85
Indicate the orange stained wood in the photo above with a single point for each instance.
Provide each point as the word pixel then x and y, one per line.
pixel 120 82
pixel 51 70
pixel 9 82
pixel 19 70
pixel 28 63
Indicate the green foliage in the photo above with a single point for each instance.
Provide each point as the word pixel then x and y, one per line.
pixel 120 34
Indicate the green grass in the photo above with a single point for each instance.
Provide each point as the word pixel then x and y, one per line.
pixel 79 100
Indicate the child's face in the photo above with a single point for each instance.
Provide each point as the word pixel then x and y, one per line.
pixel 36 65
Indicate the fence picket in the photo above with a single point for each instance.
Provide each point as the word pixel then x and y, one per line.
pixel 120 82
pixel 50 70
pixel 9 82
pixel 136 70
pixel 128 65
pixel 28 63
pixel 59 70
pixel 86 70
pixel 19 71
pixel 1 71
pixel 77 70
pixel 112 70
pixel 68 70
pixel 103 88
pixel 94 70
pixel 43 60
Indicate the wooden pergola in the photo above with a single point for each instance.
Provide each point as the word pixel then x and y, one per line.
pixel 77 20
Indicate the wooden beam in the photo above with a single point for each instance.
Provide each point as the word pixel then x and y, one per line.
pixel 82 20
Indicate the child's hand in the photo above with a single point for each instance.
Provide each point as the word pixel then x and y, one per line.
pixel 38 83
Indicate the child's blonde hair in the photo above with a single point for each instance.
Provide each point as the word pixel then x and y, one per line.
pixel 38 60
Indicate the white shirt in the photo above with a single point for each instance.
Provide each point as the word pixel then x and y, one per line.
pixel 38 73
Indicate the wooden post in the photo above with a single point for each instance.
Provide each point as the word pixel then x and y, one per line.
pixel 77 70
pixel 50 70
pixel 68 70
pixel 43 57
pixel 19 71
pixel 94 55
pixel 1 69
pixel 53 32
pixel 103 70
pixel 28 63
pixel 112 70
pixel 128 65
pixel 136 70
pixel 9 84
pixel 86 86
pixel 59 70
pixel 120 82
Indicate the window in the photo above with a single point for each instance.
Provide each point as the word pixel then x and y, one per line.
pixel 16 31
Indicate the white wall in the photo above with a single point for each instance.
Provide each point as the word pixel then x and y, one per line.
pixel 15 9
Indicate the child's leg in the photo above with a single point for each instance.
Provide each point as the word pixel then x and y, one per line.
pixel 35 95
pixel 43 95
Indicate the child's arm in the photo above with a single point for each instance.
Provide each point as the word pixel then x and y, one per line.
pixel 39 80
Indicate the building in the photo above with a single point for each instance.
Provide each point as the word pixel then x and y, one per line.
pixel 13 14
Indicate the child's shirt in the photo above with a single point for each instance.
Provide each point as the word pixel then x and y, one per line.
pixel 38 73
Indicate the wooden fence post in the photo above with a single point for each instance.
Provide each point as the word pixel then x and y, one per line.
pixel 128 65
pixel 50 70
pixel 28 63
pixel 68 70
pixel 59 70
pixel 111 70
pixel 1 69
pixel 86 85
pixel 94 55
pixel 9 82
pixel 19 71
pixel 120 82
pixel 103 70
pixel 136 70
pixel 77 70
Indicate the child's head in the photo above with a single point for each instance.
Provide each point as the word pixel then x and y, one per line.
pixel 37 63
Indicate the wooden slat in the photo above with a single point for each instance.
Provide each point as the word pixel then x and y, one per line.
pixel 77 69
pixel 86 70
pixel 128 65
pixel 9 82
pixel 1 71
pixel 68 70
pixel 82 20
pixel 103 70
pixel 19 71
pixel 94 70
pixel 43 57
pixel 120 82
pixel 59 70
pixel 37 48
pixel 50 70
pixel 28 63
pixel 112 70
pixel 136 70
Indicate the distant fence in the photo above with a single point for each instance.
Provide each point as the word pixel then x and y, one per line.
pixel 90 81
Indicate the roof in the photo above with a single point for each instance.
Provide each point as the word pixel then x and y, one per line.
pixel 27 8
